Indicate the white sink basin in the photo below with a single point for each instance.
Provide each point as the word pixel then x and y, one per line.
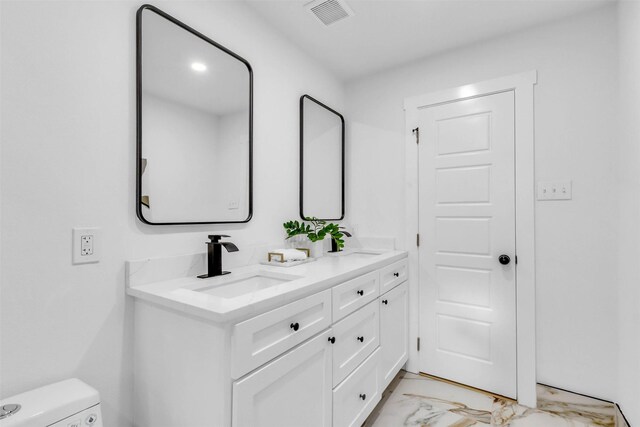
pixel 233 286
pixel 356 253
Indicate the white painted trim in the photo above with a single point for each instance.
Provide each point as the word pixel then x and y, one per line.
pixel 522 86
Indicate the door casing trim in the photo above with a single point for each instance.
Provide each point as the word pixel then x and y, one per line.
pixel 522 85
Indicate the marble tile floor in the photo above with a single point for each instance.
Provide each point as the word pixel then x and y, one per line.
pixel 414 400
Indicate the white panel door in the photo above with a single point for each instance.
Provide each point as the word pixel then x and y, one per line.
pixel 467 221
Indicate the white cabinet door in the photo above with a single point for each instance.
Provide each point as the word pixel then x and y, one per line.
pixel 356 337
pixel 262 338
pixel 392 275
pixel 350 296
pixel 292 391
pixel 394 332
pixel 358 394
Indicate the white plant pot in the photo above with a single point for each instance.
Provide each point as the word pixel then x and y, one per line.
pixel 317 249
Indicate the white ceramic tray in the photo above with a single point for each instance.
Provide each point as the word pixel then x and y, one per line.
pixel 288 264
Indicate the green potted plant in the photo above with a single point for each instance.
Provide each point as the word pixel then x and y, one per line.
pixel 316 232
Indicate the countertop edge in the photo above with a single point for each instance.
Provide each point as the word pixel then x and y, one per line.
pixel 267 304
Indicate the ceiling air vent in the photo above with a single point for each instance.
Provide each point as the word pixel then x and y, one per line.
pixel 329 11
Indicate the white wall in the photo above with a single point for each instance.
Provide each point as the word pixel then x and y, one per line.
pixel 629 170
pixel 180 145
pixel 322 181
pixel 231 148
pixel 575 108
pixel 68 159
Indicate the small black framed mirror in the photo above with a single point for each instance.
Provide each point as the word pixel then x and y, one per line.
pixel 322 148
pixel 194 105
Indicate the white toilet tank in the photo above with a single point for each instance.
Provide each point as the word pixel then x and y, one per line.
pixel 69 403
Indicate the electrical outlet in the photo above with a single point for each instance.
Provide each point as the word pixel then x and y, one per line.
pixel 234 205
pixel 85 245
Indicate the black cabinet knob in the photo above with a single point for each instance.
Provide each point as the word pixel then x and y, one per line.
pixel 396 274
pixel 363 396
pixel 504 259
pixel 295 326
pixel 361 339
pixel 360 292
pixel 385 301
pixel 332 340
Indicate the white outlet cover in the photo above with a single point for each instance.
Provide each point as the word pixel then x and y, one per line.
pixel 94 242
pixel 554 190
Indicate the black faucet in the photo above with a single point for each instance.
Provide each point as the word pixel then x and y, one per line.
pixel 334 244
pixel 214 255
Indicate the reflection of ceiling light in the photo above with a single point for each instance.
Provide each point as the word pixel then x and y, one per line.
pixel 198 66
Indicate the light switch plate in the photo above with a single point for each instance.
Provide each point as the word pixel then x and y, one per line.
pixel 554 190
pixel 86 245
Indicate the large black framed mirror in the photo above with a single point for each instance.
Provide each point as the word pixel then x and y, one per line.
pixel 194 126
pixel 322 160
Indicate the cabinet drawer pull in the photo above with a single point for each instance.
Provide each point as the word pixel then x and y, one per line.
pixel 295 326
pixel 385 301
pixel 363 396
pixel 332 340
pixel 396 274
pixel 360 292
pixel 361 339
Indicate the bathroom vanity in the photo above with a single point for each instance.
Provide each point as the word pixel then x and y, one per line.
pixel 311 345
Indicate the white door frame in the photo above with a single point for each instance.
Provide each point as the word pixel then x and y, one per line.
pixel 522 86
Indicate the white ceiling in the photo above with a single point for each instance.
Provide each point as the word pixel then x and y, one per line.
pixel 385 33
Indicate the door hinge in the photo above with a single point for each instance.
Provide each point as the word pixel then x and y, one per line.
pixel 416 132
pixel 516 259
pixel 418 343
pixel 417 239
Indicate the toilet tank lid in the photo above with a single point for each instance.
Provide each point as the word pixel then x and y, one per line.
pixel 46 405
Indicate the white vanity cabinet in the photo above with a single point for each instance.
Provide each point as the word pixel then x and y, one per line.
pixel 260 339
pixel 350 296
pixel 394 332
pixel 356 337
pixel 392 275
pixel 358 394
pixel 367 344
pixel 292 391
pixel 322 359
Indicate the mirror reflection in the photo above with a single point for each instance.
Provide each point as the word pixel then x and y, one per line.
pixel 322 160
pixel 194 129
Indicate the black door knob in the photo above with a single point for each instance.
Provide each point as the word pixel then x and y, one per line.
pixel 294 326
pixel 504 259
pixel 385 301
pixel 332 340
pixel 360 293
pixel 396 274
pixel 361 339
pixel 363 396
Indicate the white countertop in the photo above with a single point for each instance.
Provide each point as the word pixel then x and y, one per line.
pixel 328 271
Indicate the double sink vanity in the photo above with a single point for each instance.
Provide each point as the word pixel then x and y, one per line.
pixel 309 345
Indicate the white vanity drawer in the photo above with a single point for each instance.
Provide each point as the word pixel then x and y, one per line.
pixel 356 336
pixel 262 338
pixel 351 295
pixel 355 398
pixel 392 275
